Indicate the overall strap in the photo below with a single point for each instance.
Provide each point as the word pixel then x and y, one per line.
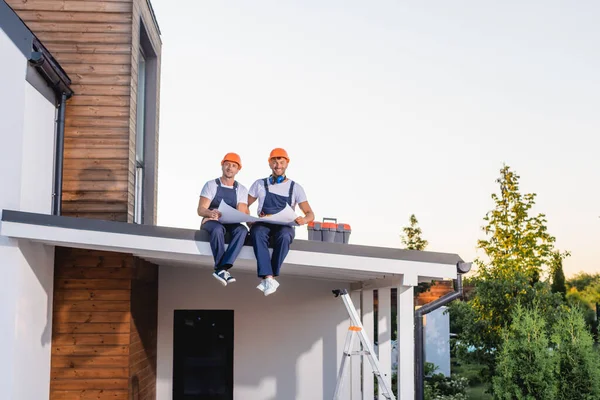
pixel 290 194
pixel 266 182
pixel 218 182
pixel 235 185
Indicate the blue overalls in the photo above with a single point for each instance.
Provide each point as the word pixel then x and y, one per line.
pixel 224 259
pixel 261 233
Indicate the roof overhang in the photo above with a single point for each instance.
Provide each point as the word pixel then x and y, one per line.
pixel 364 266
pixel 37 54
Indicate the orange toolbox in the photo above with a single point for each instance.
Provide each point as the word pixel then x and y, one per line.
pixel 332 232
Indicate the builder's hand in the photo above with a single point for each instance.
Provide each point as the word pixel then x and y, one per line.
pixel 300 220
pixel 214 214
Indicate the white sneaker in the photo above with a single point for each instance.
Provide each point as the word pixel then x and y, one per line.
pixel 261 285
pixel 224 277
pixel 229 278
pixel 271 286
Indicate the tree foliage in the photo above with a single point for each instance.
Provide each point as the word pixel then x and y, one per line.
pixel 411 238
pixel 526 365
pixel 578 369
pixel 518 250
pixel 583 280
pixel 559 284
pixel 516 242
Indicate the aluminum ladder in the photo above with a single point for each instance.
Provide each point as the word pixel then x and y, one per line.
pixel 356 328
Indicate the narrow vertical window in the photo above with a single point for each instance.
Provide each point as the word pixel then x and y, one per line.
pixel 138 216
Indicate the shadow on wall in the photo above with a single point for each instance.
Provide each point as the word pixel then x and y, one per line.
pixel 134 388
pixel 41 260
pixel 96 192
pixel 285 345
pixel 291 339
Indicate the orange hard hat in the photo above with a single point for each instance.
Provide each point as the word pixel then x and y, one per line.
pixel 279 152
pixel 233 157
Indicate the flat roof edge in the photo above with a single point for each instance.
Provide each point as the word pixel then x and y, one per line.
pixel 65 222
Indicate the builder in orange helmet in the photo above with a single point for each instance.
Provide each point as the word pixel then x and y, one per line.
pixel 226 189
pixel 273 194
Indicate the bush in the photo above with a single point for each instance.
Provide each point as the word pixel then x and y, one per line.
pixel 578 371
pixel 526 364
pixel 439 387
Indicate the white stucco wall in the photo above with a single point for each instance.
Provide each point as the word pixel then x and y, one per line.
pixel 33 322
pixel 26 269
pixel 286 346
pixel 12 102
pixel 37 170
pixel 437 339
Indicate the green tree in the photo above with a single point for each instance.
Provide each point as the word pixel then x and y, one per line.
pixel 526 365
pixel 516 242
pixel 582 280
pixel 411 239
pixel 517 253
pixel 578 370
pixel 583 291
pixel 558 276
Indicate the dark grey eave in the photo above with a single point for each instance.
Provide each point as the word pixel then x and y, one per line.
pixel 201 236
pixel 34 51
pixel 153 16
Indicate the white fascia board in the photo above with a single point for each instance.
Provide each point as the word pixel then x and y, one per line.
pixel 198 251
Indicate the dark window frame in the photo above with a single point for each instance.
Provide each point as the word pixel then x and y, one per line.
pixel 145 163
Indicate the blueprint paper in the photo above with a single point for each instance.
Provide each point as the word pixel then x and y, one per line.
pixel 230 215
pixel 287 216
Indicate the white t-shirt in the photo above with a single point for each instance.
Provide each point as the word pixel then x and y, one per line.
pixel 210 191
pixel 283 189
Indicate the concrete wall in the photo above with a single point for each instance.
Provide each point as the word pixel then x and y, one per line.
pixel 27 269
pixel 286 346
pixel 437 339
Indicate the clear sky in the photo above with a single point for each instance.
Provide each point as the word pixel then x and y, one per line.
pixel 389 108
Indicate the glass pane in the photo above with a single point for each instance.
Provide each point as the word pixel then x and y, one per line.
pixel 141 108
pixel 139 190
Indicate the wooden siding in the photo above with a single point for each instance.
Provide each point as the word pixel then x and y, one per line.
pixel 104 326
pixel 436 290
pixel 144 324
pixel 96 42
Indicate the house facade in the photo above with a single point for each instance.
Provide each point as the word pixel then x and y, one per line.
pixel 96 301
pixel 93 155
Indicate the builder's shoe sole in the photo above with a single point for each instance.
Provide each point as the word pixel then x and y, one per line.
pixel 220 277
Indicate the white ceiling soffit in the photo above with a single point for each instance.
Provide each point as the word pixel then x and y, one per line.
pixel 177 247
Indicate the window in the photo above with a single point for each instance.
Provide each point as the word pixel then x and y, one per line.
pixel 146 132
pixel 140 136
pixel 203 355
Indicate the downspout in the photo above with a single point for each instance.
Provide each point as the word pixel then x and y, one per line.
pixel 58 159
pixel 461 268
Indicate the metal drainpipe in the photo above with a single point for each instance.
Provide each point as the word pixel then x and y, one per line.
pixel 419 313
pixel 58 163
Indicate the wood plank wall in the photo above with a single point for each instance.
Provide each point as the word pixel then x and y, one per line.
pixel 96 42
pixel 143 329
pixel 104 327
